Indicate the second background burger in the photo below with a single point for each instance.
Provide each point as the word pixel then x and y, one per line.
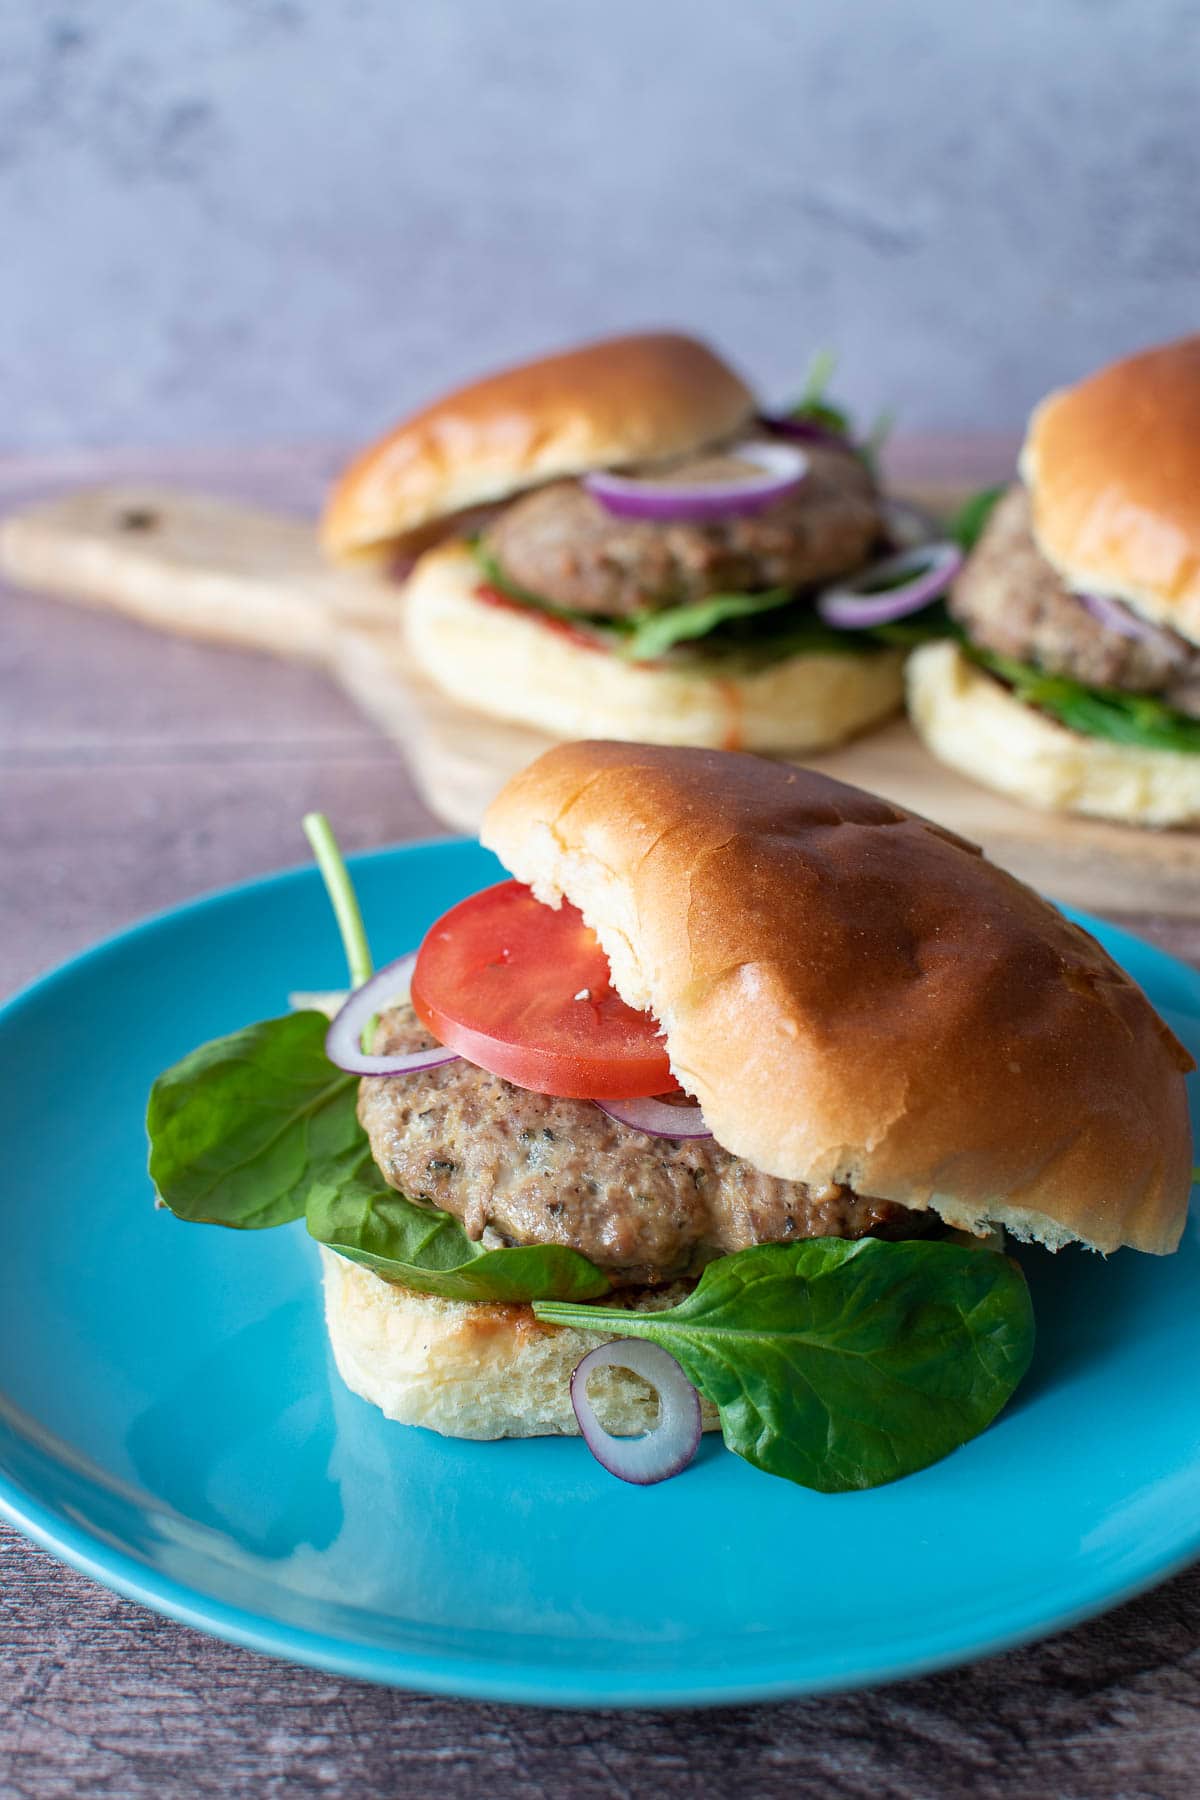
pixel 615 542
pixel 1073 678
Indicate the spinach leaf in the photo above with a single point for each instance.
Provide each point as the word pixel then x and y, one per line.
pixel 832 419
pixel 655 632
pixel 966 525
pixel 814 407
pixel 258 1129
pixel 236 1127
pixel 790 626
pixel 756 643
pixel 1140 719
pixel 844 1365
pixel 932 622
pixel 353 1210
pixel 609 630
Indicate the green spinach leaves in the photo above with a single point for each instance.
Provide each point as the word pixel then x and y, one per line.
pixel 844 1365
pixel 354 1211
pixel 967 525
pixel 1136 719
pixel 258 1129
pixel 237 1127
pixel 738 631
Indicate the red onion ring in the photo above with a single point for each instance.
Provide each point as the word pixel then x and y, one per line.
pixel 851 606
pixel 669 1446
pixel 343 1041
pixel 1118 618
pixel 656 1118
pixel 782 468
pixel 805 431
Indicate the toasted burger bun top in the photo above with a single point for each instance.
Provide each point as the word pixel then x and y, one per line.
pixel 854 994
pixel 1113 465
pixel 622 400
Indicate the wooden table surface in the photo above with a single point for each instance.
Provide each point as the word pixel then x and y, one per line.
pixel 138 770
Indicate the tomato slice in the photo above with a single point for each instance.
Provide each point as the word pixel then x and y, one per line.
pixel 524 990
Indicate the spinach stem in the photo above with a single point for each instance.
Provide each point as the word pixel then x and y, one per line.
pixel 820 374
pixel 342 896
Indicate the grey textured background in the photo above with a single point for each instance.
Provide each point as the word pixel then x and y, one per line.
pixel 235 219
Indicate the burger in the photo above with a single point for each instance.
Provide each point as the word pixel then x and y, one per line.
pixel 726 1100
pixel 614 542
pixel 1074 682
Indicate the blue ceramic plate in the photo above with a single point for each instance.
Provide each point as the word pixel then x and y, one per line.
pixel 171 1422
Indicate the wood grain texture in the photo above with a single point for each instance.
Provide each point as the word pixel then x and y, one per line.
pixel 137 770
pixel 99 1698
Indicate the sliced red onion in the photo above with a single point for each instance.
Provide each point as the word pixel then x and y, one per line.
pixel 1120 619
pixel 805 431
pixel 343 1041
pixel 657 1118
pixel 853 606
pixel 909 525
pixel 669 1446
pixel 780 468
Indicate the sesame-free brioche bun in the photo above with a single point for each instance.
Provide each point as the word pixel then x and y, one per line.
pixel 1113 466
pixel 856 995
pixel 471 1369
pixel 977 725
pixel 632 399
pixel 510 663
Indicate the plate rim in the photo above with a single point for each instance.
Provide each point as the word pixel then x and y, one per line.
pixel 545 1683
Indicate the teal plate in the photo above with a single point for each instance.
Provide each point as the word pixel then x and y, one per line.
pixel 171 1422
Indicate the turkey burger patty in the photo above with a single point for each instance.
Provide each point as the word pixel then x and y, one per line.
pixel 536 1169
pixel 563 545
pixel 1012 601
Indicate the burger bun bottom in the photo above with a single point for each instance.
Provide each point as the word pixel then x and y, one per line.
pixel 976 725
pixel 471 1369
pixel 512 664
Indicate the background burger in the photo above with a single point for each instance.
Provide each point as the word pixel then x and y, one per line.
pixel 722 1071
pixel 1076 685
pixel 623 547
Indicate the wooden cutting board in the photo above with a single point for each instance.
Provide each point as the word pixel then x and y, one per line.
pixel 232 574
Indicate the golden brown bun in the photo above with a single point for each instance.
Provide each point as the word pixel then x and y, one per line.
pixel 854 994
pixel 622 400
pixel 1114 469
pixel 975 724
pixel 509 663
pixel 473 1370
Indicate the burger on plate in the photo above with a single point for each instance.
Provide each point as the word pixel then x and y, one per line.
pixel 614 542
pixel 1076 684
pixel 725 1100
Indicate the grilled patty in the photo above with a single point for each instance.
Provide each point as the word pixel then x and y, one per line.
pixel 561 544
pixel 1012 601
pixel 538 1170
